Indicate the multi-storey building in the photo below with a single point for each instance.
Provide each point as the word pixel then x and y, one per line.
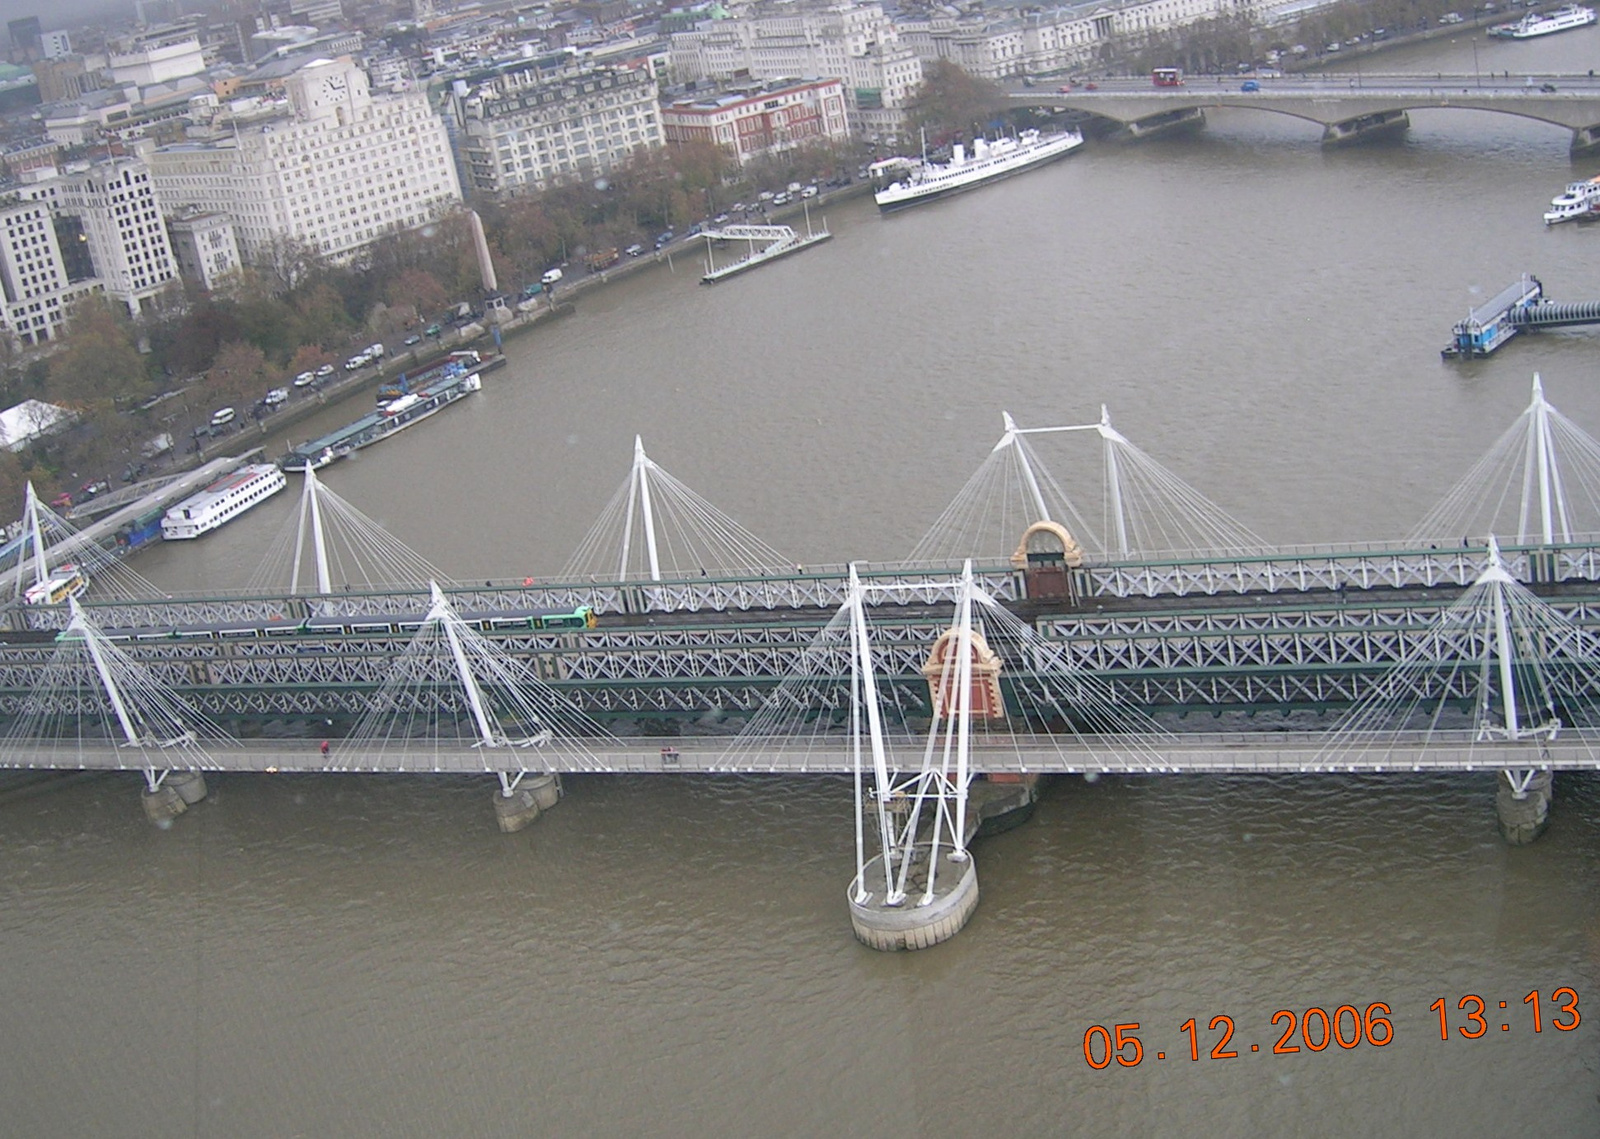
pixel 204 245
pixel 341 169
pixel 752 121
pixel 35 292
pixel 1035 41
pixel 855 43
pixel 116 202
pixel 156 55
pixel 528 124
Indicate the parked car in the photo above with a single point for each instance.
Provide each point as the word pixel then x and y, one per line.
pixel 305 379
pixel 809 192
pixel 412 340
pixel 359 360
pixel 720 219
pixel 275 397
pixel 433 330
pixel 550 277
pixel 99 486
pixel 634 250
pixel 62 501
pixel 222 415
pixel 325 371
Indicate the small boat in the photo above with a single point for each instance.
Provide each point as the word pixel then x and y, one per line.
pixel 1580 201
pixel 1563 19
pixel 923 181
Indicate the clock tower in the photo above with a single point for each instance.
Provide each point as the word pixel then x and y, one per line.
pixel 329 88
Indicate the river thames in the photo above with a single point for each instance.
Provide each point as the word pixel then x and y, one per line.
pixel 352 956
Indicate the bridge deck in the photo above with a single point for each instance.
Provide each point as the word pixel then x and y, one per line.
pixel 1190 753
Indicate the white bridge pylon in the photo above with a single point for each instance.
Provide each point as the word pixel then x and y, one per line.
pixel 1147 510
pixel 92 698
pixel 656 527
pixel 1500 662
pixel 328 544
pixel 452 690
pixel 885 693
pixel 47 542
pixel 1539 481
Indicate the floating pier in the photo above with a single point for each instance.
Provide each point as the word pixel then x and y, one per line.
pixel 1521 307
pixel 1490 325
pixel 766 243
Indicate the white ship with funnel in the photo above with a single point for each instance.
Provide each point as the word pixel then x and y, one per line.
pixel 917 181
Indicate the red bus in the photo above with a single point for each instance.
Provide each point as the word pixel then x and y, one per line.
pixel 1167 77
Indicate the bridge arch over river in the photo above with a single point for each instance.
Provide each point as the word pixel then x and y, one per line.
pixel 1348 108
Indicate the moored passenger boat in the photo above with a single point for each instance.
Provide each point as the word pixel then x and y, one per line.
pixel 222 501
pixel 1563 19
pixel 922 181
pixel 456 382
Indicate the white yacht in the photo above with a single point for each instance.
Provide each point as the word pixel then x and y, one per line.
pixel 923 181
pixel 225 499
pixel 1579 201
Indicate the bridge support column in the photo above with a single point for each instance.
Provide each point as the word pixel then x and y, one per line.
pixel 162 802
pixel 1586 142
pixel 997 803
pixel 521 799
pixel 1366 128
pixel 1167 122
pixel 1522 802
pixel 908 923
pixel 190 785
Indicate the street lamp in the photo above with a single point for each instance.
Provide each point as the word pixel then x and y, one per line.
pixel 1476 73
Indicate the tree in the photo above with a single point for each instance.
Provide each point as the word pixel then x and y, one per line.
pixel 239 375
pixel 99 363
pixel 952 101
pixel 417 289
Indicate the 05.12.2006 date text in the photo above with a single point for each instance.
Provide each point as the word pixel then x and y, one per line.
pixel 1315 1029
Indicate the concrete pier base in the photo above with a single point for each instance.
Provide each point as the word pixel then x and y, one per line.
pixel 1166 123
pixel 1366 128
pixel 515 811
pixel 1585 142
pixel 909 925
pixel 1523 820
pixel 547 790
pixel 190 785
pixel 997 803
pixel 163 804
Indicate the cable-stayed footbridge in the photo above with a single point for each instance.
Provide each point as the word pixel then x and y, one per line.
pixel 677 641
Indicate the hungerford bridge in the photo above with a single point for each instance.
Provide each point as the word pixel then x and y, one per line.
pixel 676 641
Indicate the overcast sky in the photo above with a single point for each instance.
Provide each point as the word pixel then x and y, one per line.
pixel 67 14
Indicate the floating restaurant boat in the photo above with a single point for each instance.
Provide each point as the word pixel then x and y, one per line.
pixel 1563 19
pixel 453 380
pixel 767 243
pixel 1580 201
pixel 922 181
pixel 222 501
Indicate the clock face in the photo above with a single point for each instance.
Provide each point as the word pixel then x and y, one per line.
pixel 334 85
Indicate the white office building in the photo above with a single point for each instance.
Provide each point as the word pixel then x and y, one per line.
pixel 204 246
pixel 526 127
pixel 116 202
pixel 33 276
pixel 341 169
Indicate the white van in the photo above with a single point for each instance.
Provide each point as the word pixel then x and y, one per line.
pixel 375 351
pixel 221 415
